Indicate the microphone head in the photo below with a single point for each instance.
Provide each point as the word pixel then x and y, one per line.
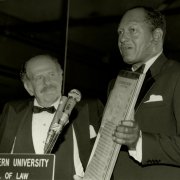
pixel 75 94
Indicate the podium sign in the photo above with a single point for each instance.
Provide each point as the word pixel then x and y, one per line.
pixel 120 106
pixel 27 166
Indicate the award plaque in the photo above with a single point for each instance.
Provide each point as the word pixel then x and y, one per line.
pixel 120 106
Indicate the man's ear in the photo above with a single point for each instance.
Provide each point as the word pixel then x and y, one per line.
pixel 157 35
pixel 29 88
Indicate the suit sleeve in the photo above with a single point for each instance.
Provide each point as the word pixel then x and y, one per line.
pixel 96 112
pixel 161 148
pixel 8 128
pixel 3 120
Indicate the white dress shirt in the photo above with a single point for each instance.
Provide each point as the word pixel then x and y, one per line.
pixel 40 127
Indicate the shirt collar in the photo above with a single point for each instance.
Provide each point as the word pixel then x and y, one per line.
pixel 55 104
pixel 147 63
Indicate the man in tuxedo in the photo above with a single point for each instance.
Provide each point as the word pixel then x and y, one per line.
pixel 151 141
pixel 24 124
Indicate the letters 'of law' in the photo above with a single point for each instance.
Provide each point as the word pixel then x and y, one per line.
pixel 27 166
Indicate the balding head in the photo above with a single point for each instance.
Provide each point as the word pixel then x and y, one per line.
pixel 42 78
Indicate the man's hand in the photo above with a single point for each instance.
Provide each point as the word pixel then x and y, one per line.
pixel 127 133
pixel 76 177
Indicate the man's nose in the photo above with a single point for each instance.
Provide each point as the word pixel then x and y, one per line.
pixel 46 80
pixel 123 37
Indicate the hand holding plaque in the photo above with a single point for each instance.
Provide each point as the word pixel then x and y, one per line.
pixel 127 133
pixel 118 112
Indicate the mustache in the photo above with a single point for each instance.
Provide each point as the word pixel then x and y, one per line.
pixel 46 88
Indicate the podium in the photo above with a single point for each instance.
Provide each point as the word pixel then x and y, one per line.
pixel 27 166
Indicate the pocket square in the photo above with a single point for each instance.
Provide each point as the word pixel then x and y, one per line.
pixel 92 132
pixel 154 98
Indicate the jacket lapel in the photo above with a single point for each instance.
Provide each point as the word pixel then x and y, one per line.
pixel 81 127
pixel 23 141
pixel 148 82
pixel 150 78
pixel 158 65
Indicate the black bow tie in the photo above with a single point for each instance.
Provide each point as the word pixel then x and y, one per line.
pixel 140 69
pixel 37 109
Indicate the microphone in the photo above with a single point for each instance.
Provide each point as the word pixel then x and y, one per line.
pixel 61 118
pixel 74 96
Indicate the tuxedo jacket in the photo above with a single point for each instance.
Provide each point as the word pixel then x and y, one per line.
pixel 157 112
pixel 16 121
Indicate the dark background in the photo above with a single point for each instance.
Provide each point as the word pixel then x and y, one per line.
pixel 84 32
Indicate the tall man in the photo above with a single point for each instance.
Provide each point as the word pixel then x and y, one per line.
pixel 151 143
pixel 23 129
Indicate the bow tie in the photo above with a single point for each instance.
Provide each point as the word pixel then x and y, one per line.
pixel 37 109
pixel 139 69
